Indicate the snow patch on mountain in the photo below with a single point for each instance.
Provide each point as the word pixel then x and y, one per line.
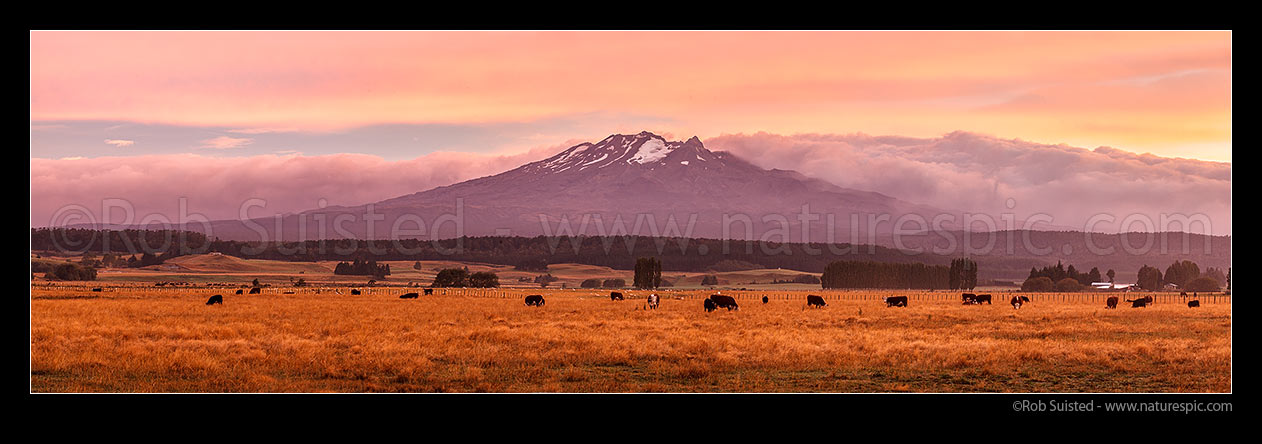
pixel 652 150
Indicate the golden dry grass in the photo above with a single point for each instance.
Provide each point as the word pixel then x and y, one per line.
pixel 205 268
pixel 142 339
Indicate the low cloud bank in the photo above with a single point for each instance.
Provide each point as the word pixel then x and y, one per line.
pixel 959 171
pixel 973 172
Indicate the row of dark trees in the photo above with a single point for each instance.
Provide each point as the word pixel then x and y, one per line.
pixel 66 271
pixel 799 279
pixel 867 274
pixel 362 268
pixel 1186 275
pixel 606 283
pixel 526 253
pixel 461 278
pixel 963 274
pixel 1059 272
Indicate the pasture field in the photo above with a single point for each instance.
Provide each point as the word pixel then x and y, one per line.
pixel 212 268
pixel 133 338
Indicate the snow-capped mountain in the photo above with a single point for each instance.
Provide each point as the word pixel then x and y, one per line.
pixel 643 180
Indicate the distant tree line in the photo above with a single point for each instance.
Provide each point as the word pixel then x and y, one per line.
pixel 605 283
pixel 867 274
pixel 66 271
pixel 526 253
pixel 799 279
pixel 362 268
pixel 461 278
pixel 1185 275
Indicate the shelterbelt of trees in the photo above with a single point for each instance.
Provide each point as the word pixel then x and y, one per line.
pixel 522 252
pixel 1184 275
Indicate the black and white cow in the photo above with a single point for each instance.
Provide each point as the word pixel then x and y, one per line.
pixel 1017 301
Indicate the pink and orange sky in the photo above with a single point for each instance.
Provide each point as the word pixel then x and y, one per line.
pixel 126 100
pixel 1168 93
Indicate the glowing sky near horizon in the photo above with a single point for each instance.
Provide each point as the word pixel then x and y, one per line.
pixel 400 95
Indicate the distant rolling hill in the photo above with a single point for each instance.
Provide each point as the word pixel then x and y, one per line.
pixel 219 263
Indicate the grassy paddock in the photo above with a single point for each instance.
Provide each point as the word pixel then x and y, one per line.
pixel 134 338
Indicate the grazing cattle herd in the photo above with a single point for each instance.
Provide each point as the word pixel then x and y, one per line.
pixel 717 301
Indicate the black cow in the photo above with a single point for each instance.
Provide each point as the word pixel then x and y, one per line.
pixel 1111 302
pixel 409 296
pixel 1017 301
pixel 722 301
pixel 98 289
pixel 710 305
pixel 216 299
pixel 615 296
pixel 1194 304
pixel 534 300
pixel 982 298
pixel 429 291
pixel 239 291
pixel 815 301
pixel 896 301
pixel 653 300
pixel 764 299
pixel 256 290
pixel 355 292
pixel 968 298
pixel 1138 303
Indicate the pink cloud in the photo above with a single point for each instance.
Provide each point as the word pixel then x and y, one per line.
pixel 119 143
pixel 972 172
pixel 225 142
pixel 960 171
pixel 216 187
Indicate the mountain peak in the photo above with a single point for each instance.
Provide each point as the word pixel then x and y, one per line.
pixel 620 151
